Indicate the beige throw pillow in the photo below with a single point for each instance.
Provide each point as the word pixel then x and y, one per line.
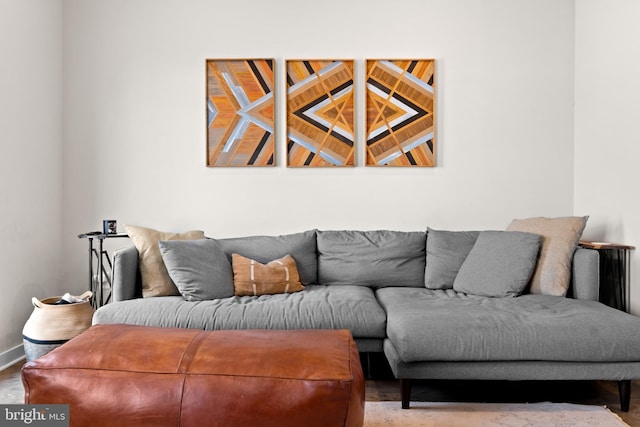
pixel 560 237
pixel 253 278
pixel 155 278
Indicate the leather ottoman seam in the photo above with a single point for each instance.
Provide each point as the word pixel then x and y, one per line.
pixel 190 352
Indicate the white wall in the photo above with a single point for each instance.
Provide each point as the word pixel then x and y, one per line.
pixel 134 134
pixel 31 173
pixel 135 115
pixel 607 114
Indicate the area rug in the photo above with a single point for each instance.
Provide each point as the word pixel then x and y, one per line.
pixel 445 414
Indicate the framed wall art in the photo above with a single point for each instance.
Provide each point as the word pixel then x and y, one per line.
pixel 400 112
pixel 240 112
pixel 320 116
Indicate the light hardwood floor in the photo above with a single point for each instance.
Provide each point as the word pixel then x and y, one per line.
pixel 384 388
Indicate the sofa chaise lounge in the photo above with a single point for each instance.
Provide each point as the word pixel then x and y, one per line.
pixel 440 305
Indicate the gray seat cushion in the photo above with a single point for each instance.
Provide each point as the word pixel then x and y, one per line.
pixel 316 307
pixel 371 258
pixel 442 325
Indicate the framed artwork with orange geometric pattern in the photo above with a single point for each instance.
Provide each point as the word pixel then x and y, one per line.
pixel 240 112
pixel 400 111
pixel 320 115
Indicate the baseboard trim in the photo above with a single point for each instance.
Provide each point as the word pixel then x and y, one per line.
pixel 12 356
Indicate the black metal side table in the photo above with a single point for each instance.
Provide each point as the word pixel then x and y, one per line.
pixel 614 272
pixel 99 256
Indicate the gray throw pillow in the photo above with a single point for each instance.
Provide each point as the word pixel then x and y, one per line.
pixel 199 268
pixel 446 251
pixel 500 264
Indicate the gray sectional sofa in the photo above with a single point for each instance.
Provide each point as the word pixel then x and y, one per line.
pixel 393 290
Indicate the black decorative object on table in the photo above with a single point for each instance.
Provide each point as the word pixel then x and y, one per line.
pixel 614 272
pixel 110 226
pixel 100 255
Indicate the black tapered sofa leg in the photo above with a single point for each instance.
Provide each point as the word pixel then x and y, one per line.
pixel 624 390
pixel 405 392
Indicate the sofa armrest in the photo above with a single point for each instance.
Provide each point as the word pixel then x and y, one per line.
pixel 125 282
pixel 585 278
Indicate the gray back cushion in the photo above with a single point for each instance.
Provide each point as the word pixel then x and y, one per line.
pixel 371 258
pixel 264 249
pixel 446 251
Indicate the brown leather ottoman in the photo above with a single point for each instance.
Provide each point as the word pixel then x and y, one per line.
pixel 125 375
